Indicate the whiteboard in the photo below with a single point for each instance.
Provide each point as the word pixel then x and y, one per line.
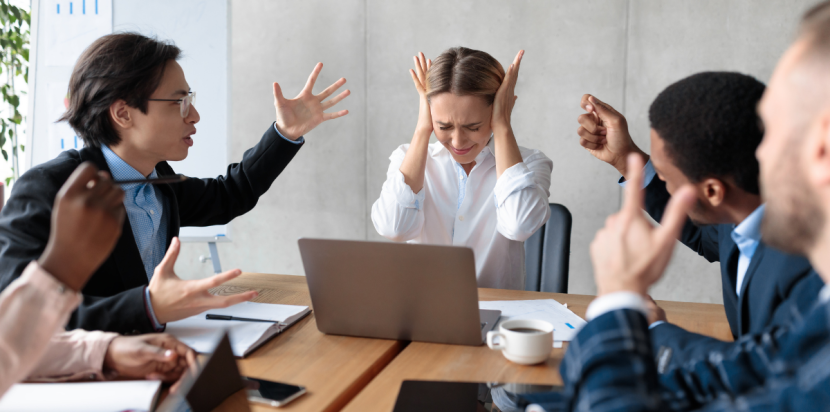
pixel 62 29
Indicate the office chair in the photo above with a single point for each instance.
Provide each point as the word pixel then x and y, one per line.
pixel 547 253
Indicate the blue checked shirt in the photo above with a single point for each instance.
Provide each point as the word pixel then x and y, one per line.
pixel 146 209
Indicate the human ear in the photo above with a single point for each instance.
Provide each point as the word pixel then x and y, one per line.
pixel 713 190
pixel 817 148
pixel 121 115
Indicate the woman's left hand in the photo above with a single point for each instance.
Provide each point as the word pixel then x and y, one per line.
pixel 505 97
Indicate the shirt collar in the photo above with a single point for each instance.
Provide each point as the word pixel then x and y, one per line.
pixel 824 294
pixel 122 170
pixel 750 228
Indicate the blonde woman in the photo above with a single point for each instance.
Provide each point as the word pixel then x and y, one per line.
pixel 474 187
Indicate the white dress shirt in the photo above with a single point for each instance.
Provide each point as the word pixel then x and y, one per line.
pixel 491 216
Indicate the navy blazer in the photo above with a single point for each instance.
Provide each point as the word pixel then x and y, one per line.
pixel 768 285
pixel 113 299
pixel 608 367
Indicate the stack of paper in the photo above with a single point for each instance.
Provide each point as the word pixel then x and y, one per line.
pixel 81 397
pixel 565 323
pixel 200 333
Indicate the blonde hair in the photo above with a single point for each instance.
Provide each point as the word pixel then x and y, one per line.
pixel 465 72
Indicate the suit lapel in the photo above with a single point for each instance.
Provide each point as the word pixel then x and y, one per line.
pixel 743 300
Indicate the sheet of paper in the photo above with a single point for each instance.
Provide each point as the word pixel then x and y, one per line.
pixel 72 26
pixel 200 333
pixel 565 323
pixel 81 397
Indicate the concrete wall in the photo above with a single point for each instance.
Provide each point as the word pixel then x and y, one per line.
pixel 625 52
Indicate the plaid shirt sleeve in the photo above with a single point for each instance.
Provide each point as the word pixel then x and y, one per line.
pixel 609 367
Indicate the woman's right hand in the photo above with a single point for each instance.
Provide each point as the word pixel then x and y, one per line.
pixel 419 77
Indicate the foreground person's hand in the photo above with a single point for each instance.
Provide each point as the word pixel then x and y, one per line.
pixel 155 356
pixel 86 223
pixel 629 254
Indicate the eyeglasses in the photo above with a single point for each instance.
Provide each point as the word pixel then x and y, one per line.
pixel 184 102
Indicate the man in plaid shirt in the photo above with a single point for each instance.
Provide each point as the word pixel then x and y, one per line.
pixel 610 366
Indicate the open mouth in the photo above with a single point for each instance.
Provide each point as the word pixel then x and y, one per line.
pixel 188 141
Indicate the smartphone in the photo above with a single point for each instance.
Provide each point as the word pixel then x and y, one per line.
pixel 271 393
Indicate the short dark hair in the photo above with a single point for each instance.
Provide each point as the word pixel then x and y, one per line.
pixel 710 126
pixel 121 66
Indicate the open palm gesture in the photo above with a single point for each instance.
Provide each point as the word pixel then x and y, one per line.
pixel 300 115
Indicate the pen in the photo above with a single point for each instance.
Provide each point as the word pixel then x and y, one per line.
pixel 226 317
pixel 156 181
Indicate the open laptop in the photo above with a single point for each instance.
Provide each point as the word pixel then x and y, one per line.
pixel 401 291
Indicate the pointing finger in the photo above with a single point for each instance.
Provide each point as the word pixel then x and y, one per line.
pixel 633 187
pixel 676 214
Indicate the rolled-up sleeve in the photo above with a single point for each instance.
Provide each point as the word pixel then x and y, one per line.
pixel 34 307
pixel 397 213
pixel 521 196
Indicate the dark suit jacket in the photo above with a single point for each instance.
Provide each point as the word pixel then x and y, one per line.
pixel 114 296
pixel 768 283
pixel 608 367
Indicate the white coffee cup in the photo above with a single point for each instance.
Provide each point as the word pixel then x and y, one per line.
pixel 524 341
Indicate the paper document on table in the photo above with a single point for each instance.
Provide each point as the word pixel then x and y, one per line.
pixel 200 333
pixel 565 323
pixel 81 396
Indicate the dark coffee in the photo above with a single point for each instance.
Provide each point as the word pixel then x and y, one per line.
pixel 525 330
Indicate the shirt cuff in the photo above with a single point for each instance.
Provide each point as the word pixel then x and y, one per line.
pixel 148 307
pixel 648 175
pixel 656 324
pixel 515 178
pixel 403 193
pixel 301 140
pixel 616 301
pixel 64 299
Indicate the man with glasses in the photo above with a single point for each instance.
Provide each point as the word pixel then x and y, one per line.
pixel 131 104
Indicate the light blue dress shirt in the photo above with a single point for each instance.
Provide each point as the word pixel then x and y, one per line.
pixel 147 213
pixel 747 236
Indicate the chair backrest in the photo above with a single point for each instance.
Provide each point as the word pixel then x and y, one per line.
pixel 548 252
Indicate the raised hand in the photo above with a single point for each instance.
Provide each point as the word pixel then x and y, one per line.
pixel 629 254
pixel 86 222
pixel 506 97
pixel 419 77
pixel 603 131
pixel 174 299
pixel 155 356
pixel 298 116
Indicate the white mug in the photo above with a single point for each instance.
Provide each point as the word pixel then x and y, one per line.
pixel 523 347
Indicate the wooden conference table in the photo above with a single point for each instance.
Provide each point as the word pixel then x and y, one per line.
pixel 361 374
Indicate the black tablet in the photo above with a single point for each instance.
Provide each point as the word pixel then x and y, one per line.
pixel 438 396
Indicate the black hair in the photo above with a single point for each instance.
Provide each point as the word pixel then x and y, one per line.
pixel 710 126
pixel 121 66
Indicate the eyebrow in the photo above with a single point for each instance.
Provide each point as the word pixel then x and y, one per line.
pixel 463 125
pixel 181 92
